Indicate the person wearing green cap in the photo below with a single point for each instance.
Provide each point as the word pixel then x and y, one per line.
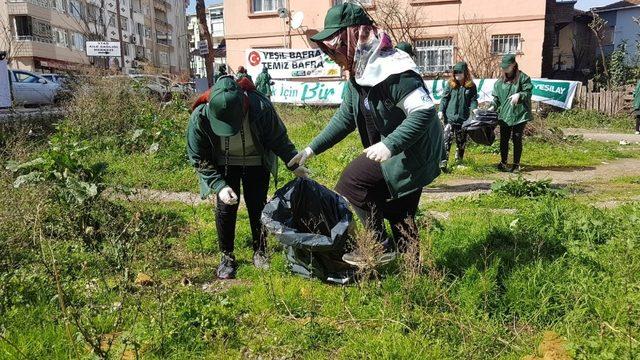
pixel 406 47
pixel 242 73
pixel 512 101
pixel 459 100
pixel 636 107
pixel 222 71
pixel 387 102
pixel 233 138
pixel 263 83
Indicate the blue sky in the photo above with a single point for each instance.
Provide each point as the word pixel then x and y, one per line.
pixel 582 4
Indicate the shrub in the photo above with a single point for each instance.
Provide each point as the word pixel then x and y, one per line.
pixel 521 187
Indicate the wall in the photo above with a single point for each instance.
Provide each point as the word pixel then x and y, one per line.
pixel 441 19
pixel 627 30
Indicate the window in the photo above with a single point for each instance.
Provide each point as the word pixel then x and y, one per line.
pixel 125 49
pixel 434 55
pixel 112 19
pixel 140 31
pixel 76 9
pixel 147 32
pixel 164 58
pixel 77 41
pixel 60 37
pixel 124 23
pixel 216 14
pixel 93 13
pixel 266 5
pixel 23 77
pixel 163 38
pixel 60 5
pixel 506 44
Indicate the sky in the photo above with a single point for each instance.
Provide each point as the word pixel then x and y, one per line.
pixel 582 4
pixel 192 5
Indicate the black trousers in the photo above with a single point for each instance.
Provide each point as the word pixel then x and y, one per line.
pixel 255 185
pixel 461 141
pixel 363 184
pixel 515 133
pixel 638 122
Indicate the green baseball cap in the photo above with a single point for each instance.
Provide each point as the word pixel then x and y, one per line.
pixel 507 60
pixel 406 47
pixel 224 110
pixel 340 17
pixel 460 67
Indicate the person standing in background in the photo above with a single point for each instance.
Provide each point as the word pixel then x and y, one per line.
pixel 242 73
pixel 263 83
pixel 460 99
pixel 512 101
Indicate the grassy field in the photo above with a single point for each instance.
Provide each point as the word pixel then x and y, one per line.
pixel 502 276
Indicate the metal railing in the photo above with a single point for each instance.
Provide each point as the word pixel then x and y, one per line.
pixel 35 38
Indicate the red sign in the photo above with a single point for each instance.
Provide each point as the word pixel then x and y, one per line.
pixel 254 58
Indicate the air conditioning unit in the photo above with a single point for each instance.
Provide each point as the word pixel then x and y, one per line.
pixel 132 39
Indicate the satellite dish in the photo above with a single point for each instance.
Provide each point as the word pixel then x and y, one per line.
pixel 296 20
pixel 283 13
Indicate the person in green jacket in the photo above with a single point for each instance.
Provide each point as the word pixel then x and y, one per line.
pixel 387 102
pixel 242 73
pixel 512 101
pixel 460 99
pixel 233 137
pixel 636 107
pixel 263 83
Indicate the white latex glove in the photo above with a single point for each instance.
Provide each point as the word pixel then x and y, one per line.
pixel 491 108
pixel 301 157
pixel 515 98
pixel 475 111
pixel 302 172
pixel 440 115
pixel 228 196
pixel 447 128
pixel 378 152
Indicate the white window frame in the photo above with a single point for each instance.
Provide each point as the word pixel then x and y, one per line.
pixel 506 44
pixel 124 23
pixel 264 4
pixel 440 51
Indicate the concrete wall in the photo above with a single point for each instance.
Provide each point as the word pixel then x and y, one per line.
pixel 245 29
pixel 627 30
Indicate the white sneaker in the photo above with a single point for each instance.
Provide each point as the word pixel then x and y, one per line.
pixel 637 132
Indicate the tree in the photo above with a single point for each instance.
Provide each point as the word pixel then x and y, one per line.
pixel 474 47
pixel 599 28
pixel 399 19
pixel 9 42
pixel 205 34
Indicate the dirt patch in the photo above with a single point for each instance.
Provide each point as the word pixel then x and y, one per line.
pixel 552 347
pixel 596 135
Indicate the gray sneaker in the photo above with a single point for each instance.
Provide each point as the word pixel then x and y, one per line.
pixel 355 258
pixel 227 268
pixel 260 260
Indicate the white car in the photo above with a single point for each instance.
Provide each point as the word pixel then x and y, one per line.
pixel 32 89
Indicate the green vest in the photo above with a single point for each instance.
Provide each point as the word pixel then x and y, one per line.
pixel 415 141
pixel 263 83
pixel 520 112
pixel 636 97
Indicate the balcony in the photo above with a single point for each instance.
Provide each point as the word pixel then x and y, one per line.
pixel 47 4
pixel 161 4
pixel 164 23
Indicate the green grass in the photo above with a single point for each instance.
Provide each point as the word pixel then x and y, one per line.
pixel 505 270
pixel 587 119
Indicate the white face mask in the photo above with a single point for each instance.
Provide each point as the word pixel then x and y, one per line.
pixel 459 77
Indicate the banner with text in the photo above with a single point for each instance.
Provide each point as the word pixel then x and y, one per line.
pixel 291 63
pixel 553 92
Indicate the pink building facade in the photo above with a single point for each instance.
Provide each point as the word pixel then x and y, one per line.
pixel 521 27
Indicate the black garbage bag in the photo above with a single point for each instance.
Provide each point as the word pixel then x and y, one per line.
pixel 314 224
pixel 481 127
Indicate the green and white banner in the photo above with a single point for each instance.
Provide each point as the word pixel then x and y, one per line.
pixel 558 93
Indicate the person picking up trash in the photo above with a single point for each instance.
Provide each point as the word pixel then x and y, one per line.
pixel 387 102
pixel 263 83
pixel 233 138
pixel 512 101
pixel 460 99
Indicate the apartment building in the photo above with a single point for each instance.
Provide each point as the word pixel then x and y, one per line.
pixel 520 27
pixel 50 35
pixel 215 22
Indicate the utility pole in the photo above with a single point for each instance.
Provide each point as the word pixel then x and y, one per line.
pixel 201 13
pixel 120 35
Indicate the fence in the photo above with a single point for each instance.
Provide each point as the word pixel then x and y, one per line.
pixel 608 102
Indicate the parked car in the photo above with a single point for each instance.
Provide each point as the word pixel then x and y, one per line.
pixel 32 89
pixel 161 87
pixel 56 78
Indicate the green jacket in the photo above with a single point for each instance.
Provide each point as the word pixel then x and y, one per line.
pixel 636 97
pixel 520 112
pixel 415 141
pixel 269 136
pixel 263 83
pixel 456 104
